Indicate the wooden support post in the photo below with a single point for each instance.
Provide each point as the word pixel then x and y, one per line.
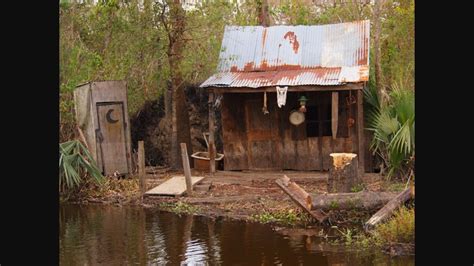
pixel 343 172
pixel 334 113
pixel 360 132
pixel 187 169
pixel 141 167
pixel 212 148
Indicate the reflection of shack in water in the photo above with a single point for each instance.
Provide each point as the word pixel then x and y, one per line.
pixel 91 235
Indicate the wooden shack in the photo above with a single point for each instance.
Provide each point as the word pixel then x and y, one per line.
pixel 327 64
pixel 101 114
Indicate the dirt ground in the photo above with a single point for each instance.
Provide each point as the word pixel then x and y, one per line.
pixel 245 195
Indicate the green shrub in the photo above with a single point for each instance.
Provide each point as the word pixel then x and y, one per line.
pixel 393 125
pixel 76 164
pixel 399 229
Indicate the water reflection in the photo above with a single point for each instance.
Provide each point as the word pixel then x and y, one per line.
pixel 91 235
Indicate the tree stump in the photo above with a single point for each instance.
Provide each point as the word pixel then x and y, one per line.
pixel 343 173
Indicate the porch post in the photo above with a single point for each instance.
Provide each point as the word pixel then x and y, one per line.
pixel 211 148
pixel 360 132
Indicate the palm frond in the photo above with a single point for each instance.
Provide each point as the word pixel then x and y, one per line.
pixel 75 163
pixel 393 126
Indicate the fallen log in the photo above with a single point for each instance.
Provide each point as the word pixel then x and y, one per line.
pixel 346 201
pixel 388 209
pixel 300 197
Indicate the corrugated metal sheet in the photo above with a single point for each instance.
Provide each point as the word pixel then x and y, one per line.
pixel 255 56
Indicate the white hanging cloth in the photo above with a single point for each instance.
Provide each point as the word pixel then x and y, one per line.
pixel 264 108
pixel 281 95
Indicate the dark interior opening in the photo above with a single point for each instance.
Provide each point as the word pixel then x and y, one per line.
pixel 318 118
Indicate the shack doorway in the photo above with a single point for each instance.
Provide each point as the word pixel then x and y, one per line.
pixel 111 137
pixel 262 135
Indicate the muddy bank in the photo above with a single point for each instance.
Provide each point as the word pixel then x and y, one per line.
pixel 246 196
pixel 239 195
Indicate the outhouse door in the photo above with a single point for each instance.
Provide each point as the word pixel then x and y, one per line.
pixel 111 137
pixel 262 135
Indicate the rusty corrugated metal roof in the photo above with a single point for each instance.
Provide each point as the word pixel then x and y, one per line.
pixel 256 56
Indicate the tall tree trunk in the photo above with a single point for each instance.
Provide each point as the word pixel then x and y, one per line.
pixel 179 113
pixel 263 17
pixel 377 53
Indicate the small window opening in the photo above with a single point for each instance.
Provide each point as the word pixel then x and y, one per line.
pixel 318 118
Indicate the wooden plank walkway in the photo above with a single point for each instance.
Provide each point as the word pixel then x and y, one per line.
pixel 175 186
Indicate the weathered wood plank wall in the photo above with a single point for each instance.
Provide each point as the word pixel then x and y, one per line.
pixel 245 129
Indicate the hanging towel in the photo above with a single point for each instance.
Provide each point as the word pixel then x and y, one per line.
pixel 281 95
pixel 264 108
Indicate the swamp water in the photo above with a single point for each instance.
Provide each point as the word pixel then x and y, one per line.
pixel 109 235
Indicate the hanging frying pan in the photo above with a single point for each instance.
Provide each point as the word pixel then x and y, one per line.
pixel 296 117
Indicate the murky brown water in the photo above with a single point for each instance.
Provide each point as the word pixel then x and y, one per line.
pixel 91 235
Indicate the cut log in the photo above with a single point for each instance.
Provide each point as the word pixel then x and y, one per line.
pixel 300 197
pixel 343 173
pixel 348 201
pixel 388 209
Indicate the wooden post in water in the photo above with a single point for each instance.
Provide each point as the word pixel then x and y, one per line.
pixel 187 169
pixel 141 167
pixel 212 148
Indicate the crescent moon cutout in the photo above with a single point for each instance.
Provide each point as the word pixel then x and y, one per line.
pixel 109 118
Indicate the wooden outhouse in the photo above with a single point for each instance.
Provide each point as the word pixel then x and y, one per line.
pixel 101 113
pixel 323 68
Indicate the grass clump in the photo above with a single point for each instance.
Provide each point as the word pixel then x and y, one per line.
pixel 399 229
pixel 282 217
pixel 333 204
pixel 358 188
pixel 396 186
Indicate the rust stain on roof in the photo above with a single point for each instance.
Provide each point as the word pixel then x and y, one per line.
pixel 255 56
pixel 291 36
pixel 249 66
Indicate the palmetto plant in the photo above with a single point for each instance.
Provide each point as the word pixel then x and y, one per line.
pixel 393 125
pixel 75 163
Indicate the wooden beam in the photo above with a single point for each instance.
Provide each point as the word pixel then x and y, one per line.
pixel 350 86
pixel 360 132
pixel 187 169
pixel 211 148
pixel 334 113
pixel 141 167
